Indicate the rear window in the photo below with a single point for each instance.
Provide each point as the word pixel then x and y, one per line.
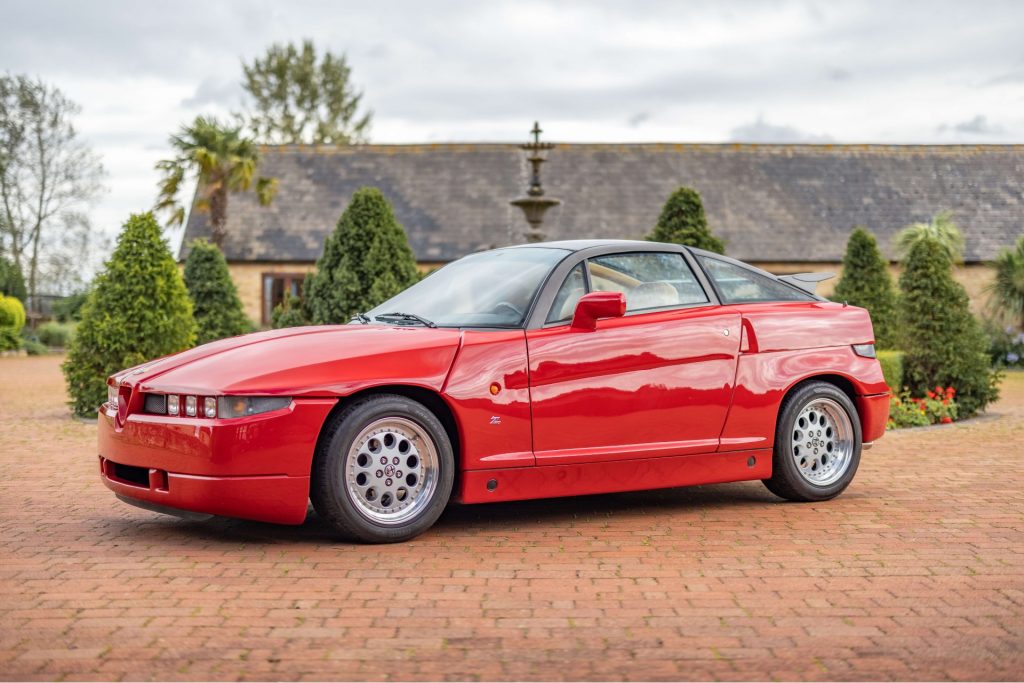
pixel 738 285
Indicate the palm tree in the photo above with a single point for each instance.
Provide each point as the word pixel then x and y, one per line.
pixel 222 161
pixel 940 228
pixel 1007 290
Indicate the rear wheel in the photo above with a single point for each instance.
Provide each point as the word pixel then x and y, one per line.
pixel 385 472
pixel 817 444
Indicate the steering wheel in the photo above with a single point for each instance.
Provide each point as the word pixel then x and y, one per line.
pixel 509 306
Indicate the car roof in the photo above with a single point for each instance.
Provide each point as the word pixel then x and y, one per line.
pixel 580 245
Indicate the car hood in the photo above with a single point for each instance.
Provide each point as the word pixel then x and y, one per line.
pixel 304 361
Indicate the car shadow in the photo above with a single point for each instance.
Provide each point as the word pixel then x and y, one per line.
pixel 488 519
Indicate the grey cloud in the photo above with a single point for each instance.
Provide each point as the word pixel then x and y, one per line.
pixel 979 125
pixel 451 62
pixel 215 91
pixel 763 131
pixel 638 119
pixel 1010 77
pixel 837 74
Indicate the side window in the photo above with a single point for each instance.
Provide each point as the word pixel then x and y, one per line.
pixel 648 279
pixel 568 295
pixel 742 285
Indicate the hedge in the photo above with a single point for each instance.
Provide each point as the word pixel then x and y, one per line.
pixel 892 368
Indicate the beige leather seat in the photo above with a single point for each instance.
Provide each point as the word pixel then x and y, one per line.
pixel 569 305
pixel 652 295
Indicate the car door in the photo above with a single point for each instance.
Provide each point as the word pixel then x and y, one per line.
pixel 657 381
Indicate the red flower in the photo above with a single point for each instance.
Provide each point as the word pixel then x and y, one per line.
pixel 946 419
pixel 931 394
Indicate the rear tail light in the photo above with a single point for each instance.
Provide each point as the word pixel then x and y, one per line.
pixel 865 350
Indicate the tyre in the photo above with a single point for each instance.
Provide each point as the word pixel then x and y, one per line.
pixel 384 472
pixel 817 444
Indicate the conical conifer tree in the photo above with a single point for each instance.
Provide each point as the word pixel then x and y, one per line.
pixel 682 221
pixel 366 260
pixel 138 309
pixel 866 283
pixel 944 344
pixel 215 303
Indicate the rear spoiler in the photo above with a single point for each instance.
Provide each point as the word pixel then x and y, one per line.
pixel 806 281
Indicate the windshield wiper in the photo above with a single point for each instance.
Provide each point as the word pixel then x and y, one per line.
pixel 363 318
pixel 411 317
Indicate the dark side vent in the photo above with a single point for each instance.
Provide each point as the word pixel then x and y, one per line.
pixel 132 475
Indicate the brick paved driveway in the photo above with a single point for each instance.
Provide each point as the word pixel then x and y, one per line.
pixel 917 572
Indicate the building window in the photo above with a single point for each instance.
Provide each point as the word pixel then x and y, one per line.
pixel 275 286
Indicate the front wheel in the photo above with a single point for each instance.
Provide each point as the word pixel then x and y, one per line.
pixel 385 472
pixel 817 444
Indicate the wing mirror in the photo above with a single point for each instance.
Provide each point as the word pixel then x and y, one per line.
pixel 596 305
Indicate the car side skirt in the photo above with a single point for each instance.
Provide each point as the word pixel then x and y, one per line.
pixel 553 481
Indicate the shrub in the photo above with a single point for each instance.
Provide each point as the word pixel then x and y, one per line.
pixel 12 313
pixel 215 303
pixel 12 319
pixel 866 283
pixel 12 283
pixel 1006 345
pixel 366 260
pixel 9 339
pixel 138 309
pixel 34 347
pixel 69 309
pixel 944 343
pixel 892 368
pixel 55 334
pixel 682 221
pixel 288 313
pixel 939 406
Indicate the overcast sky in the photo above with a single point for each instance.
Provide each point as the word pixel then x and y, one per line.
pixel 772 71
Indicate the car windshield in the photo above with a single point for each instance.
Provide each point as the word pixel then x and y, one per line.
pixel 489 289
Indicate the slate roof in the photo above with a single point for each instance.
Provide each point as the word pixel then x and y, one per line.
pixel 792 203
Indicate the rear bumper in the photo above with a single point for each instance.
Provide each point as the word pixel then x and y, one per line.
pixel 874 414
pixel 252 468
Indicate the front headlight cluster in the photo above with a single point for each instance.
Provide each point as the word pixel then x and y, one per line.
pixel 112 397
pixel 213 406
pixel 240 406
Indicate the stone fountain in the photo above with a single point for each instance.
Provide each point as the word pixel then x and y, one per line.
pixel 534 204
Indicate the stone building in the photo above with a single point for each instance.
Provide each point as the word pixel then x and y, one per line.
pixel 785 208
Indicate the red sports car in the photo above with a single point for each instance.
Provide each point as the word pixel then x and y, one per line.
pixel 536 371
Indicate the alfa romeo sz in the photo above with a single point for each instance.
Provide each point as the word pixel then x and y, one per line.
pixel 553 369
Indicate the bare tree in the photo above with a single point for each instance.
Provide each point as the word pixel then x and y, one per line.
pixel 48 176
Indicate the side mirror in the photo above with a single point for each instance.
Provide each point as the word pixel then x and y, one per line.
pixel 596 305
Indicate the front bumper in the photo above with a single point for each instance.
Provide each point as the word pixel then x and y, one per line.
pixel 252 468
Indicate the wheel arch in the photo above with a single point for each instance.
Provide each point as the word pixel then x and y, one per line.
pixel 427 397
pixel 841 382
